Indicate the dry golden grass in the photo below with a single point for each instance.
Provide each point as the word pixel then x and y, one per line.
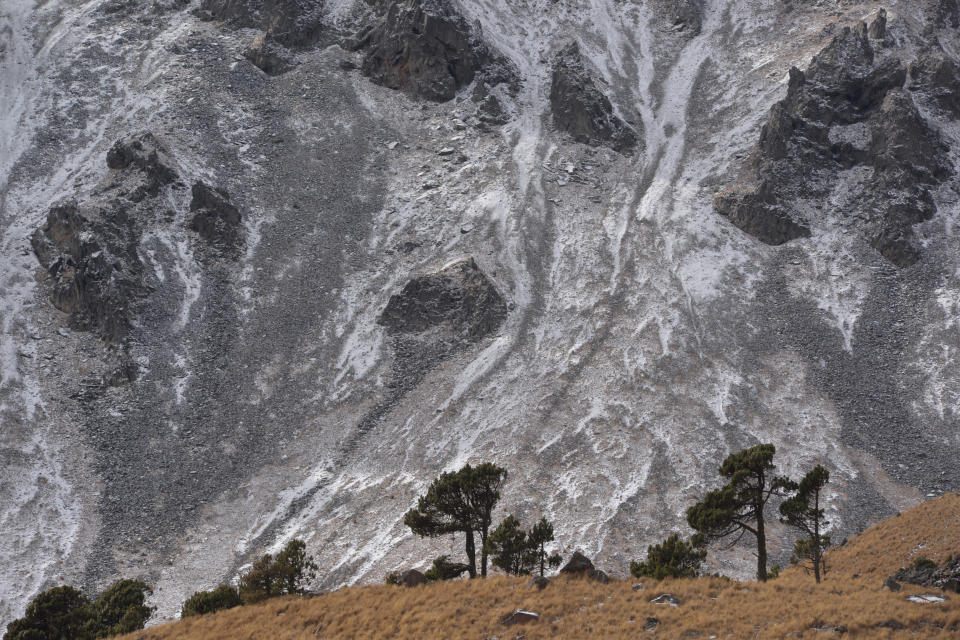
pixel 572 608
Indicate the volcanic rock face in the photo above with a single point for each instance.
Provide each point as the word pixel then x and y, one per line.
pixel 846 126
pixel 581 109
pixel 427 49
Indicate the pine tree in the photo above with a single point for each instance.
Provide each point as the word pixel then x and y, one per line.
pixel 738 506
pixel 510 548
pixel 672 558
pixel 537 538
pixel 460 502
pixel 802 511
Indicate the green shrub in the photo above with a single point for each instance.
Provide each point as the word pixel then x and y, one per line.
pixel 923 563
pixel 672 558
pixel 66 613
pixel 204 602
pixel 270 576
pixel 394 577
pixel 443 569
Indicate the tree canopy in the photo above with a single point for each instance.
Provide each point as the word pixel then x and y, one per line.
pixel 738 506
pixel 802 511
pixel 287 573
pixel 460 502
pixel 672 558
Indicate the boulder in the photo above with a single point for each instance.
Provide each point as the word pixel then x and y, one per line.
pixel 539 582
pixel 412 578
pixel 519 617
pixel 428 50
pixel 891 584
pixel 578 564
pixel 581 109
pixel 456 303
pixel 666 598
pixel 946 577
pixel 599 576
pixel 651 624
pixel 638 587
pixel 215 219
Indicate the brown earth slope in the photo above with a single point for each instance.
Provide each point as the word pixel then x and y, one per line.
pixel 850 601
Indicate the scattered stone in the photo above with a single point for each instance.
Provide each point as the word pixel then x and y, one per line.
pixel 666 598
pixel 926 598
pixel 540 582
pixel 638 587
pixel 842 628
pixel 446 151
pixel 520 617
pixel 412 578
pixel 467 228
pixel 651 624
pixel 581 109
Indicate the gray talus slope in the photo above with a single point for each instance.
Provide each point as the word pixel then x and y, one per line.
pixel 613 337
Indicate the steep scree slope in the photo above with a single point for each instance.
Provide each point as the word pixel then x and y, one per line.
pixel 196 365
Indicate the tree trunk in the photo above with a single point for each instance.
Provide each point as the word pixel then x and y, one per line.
pixel 542 554
pixel 816 537
pixel 761 547
pixel 471 554
pixel 483 551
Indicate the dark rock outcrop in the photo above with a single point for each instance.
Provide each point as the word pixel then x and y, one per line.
pixel 946 577
pixel 215 219
pixel 93 266
pixel 937 78
pixel 89 248
pixel 456 303
pixel 846 123
pixel 438 314
pixel 581 109
pixel 291 23
pixel 428 50
pixel 142 152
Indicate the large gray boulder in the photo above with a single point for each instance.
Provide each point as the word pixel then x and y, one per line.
pixel 581 109
pixel 215 219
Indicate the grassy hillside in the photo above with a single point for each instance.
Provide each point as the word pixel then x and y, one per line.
pixel 850 597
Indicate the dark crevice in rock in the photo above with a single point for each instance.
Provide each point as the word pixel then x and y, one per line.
pixel 270 58
pixel 428 50
pixel 581 109
pixel 845 118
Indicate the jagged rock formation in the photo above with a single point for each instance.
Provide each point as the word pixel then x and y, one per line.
pixel 580 108
pixel 215 219
pixel 849 134
pixel 296 24
pixel 90 249
pixel 427 49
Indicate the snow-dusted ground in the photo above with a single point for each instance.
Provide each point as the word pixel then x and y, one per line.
pixel 647 337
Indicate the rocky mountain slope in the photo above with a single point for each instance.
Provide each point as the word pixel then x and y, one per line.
pixel 268 266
